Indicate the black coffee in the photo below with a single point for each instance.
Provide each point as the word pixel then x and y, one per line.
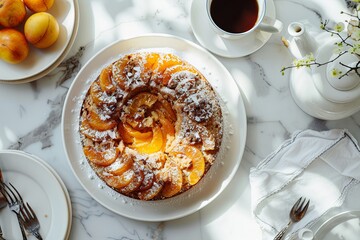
pixel 234 16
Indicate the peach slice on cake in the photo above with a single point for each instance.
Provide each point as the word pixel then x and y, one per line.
pixel 152 146
pixel 141 101
pixel 197 167
pixel 148 181
pixel 165 61
pixel 120 181
pixel 96 122
pixel 120 165
pixel 167 128
pixel 166 125
pixel 173 180
pixel 166 109
pixel 105 80
pixel 101 157
pixel 94 134
pixel 130 68
pixel 175 69
pixel 118 73
pixel 151 59
pixel 100 98
pixel 135 182
pixel 151 192
pixel 137 134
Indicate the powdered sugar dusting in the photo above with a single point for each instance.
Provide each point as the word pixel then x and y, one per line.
pixel 199 122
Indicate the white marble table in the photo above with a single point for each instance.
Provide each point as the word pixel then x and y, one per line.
pixel 31 115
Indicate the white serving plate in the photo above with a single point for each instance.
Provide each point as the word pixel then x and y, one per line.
pixel 219 174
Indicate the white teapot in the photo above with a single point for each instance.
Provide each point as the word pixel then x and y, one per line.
pixel 316 91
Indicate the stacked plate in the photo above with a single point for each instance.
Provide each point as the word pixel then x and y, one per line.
pixel 40 62
pixel 43 189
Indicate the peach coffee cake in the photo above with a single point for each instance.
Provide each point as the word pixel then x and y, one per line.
pixel 151 125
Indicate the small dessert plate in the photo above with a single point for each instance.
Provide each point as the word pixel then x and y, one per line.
pixel 344 225
pixel 231 48
pixel 42 188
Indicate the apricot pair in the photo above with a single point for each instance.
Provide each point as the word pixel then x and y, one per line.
pixel 41 29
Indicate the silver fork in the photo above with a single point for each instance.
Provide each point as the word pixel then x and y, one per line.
pixel 15 203
pixel 30 221
pixel 297 212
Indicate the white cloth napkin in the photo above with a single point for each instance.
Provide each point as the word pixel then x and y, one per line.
pixel 322 166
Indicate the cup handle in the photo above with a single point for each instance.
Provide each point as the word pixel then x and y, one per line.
pixel 270 25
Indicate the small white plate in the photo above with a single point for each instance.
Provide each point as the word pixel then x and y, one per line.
pixel 219 174
pixel 42 188
pixel 41 61
pixel 344 225
pixel 66 193
pixel 226 47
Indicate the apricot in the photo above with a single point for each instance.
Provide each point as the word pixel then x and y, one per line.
pixel 12 12
pixel 41 29
pixel 13 46
pixel 39 5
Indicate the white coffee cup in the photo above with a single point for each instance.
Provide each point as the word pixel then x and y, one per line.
pixel 260 21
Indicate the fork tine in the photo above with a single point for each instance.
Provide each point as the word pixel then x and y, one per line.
pixel 306 206
pixel 25 213
pixel 296 204
pixel 19 196
pixel 32 211
pixel 302 210
pixel 299 208
pixel 9 194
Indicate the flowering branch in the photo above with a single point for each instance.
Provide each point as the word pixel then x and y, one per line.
pixel 348 44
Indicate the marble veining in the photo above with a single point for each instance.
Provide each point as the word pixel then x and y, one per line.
pixel 31 115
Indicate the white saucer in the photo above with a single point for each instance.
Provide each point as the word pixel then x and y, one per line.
pixel 226 47
pixel 40 62
pixel 39 185
pixel 309 99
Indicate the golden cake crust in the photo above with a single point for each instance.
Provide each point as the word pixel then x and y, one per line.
pixel 151 125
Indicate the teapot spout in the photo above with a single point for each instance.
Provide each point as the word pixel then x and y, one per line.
pixel 302 43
